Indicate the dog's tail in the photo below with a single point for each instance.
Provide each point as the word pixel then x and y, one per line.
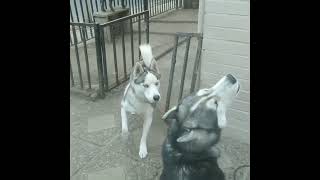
pixel 146 53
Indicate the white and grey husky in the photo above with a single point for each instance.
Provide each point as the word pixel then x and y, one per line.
pixel 142 94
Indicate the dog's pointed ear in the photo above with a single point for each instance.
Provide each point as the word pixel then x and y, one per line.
pixel 170 115
pixel 138 69
pixel 221 114
pixel 154 67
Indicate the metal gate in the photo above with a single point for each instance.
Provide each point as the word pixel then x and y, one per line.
pixel 109 56
pixel 193 40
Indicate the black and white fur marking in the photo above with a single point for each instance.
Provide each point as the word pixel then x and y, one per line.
pixel 142 94
pixel 194 128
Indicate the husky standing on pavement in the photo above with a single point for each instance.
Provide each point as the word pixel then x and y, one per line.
pixel 142 94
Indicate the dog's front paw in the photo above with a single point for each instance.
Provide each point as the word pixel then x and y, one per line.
pixel 143 151
pixel 124 134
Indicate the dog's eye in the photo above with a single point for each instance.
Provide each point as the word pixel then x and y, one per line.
pixel 157 83
pixel 146 85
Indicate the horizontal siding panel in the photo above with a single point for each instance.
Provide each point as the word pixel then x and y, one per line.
pixel 227 34
pixel 239 115
pixel 241 105
pixel 243 95
pixel 226 21
pixel 227 59
pixel 209 79
pixel 228 7
pixel 243 125
pixel 224 70
pixel 236 134
pixel 235 48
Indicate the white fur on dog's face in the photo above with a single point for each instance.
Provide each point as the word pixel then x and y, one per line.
pixel 222 95
pixel 151 87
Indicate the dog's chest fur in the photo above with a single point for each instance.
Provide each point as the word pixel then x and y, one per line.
pixel 179 166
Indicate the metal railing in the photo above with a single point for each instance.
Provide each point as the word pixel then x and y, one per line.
pixel 186 60
pixel 83 10
pixel 114 40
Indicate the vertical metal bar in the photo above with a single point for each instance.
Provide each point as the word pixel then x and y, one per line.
pixel 81 8
pixel 71 38
pixel 155 7
pixel 87 8
pixel 141 5
pixel 97 7
pixel 89 18
pixel 131 35
pixel 76 9
pixel 72 20
pixel 82 13
pixel 147 25
pixel 184 67
pixel 104 58
pixel 106 4
pixel 149 7
pixel 124 50
pixel 196 64
pixel 71 74
pixel 77 56
pixel 136 7
pixel 118 2
pixel 82 34
pixel 115 54
pixel 92 11
pixel 130 6
pixel 173 63
pixel 176 4
pixel 152 8
pixel 139 32
pixel 166 5
pixel 99 63
pixel 145 5
pixel 162 6
pixel 91 4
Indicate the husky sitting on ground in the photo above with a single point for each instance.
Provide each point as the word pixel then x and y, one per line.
pixel 142 94
pixel 194 128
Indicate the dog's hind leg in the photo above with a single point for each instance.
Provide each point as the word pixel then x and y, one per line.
pixel 146 127
pixel 124 121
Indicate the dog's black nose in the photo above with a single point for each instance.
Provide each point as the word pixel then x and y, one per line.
pixel 156 97
pixel 231 78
